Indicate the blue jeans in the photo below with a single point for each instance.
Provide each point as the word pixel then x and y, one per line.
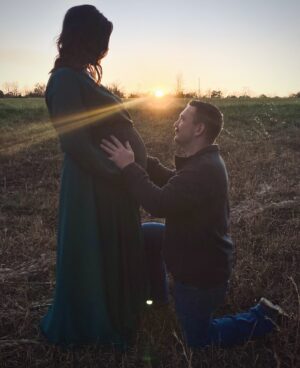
pixel 195 306
pixel 153 240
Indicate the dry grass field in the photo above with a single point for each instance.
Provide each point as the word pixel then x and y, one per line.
pixel 261 147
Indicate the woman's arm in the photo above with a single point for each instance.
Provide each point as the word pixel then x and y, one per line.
pixel 72 122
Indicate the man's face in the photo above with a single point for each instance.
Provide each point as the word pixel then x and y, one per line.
pixel 185 129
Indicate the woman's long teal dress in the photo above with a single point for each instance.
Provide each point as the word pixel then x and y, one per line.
pixel 101 283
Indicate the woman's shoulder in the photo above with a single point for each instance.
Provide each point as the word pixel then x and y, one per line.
pixel 67 76
pixel 64 70
pixel 64 74
pixel 65 79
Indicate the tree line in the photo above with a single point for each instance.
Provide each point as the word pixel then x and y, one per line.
pixel 11 90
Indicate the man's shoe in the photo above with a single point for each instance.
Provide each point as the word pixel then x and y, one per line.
pixel 273 311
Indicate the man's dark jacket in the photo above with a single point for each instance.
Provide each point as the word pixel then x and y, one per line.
pixel 194 200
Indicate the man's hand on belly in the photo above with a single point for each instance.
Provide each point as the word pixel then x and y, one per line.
pixel 121 155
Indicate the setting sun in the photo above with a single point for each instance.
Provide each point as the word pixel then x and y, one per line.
pixel 159 93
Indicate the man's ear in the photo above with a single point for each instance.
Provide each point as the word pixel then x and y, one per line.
pixel 200 129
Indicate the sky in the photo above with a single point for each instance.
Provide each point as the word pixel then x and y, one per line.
pixel 237 46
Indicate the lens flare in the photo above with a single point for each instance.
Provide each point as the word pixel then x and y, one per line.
pixel 68 123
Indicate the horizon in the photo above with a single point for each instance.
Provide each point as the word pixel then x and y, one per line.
pixel 237 48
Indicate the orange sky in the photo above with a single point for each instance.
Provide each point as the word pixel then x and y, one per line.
pixel 230 45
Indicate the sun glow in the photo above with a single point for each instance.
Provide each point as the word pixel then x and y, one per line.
pixel 159 93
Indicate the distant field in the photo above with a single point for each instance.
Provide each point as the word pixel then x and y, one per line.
pixel 261 147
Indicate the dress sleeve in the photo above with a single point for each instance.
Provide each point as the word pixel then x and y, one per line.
pixel 71 120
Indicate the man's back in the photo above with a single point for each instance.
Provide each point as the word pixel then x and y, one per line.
pixel 194 201
pixel 198 248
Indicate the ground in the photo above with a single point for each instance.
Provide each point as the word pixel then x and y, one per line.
pixel 261 147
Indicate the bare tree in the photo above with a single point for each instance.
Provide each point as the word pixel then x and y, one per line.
pixel 246 92
pixel 295 95
pixel 39 89
pixel 179 85
pixel 216 94
pixel 6 87
pixel 116 89
pixel 11 89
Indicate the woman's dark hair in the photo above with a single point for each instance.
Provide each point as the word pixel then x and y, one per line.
pixel 83 41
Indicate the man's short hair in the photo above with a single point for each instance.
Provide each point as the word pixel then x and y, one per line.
pixel 210 116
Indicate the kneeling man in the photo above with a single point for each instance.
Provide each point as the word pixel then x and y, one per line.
pixel 197 247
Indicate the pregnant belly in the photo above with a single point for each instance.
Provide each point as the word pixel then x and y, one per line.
pixel 124 132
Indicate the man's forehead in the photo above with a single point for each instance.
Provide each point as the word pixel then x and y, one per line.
pixel 189 110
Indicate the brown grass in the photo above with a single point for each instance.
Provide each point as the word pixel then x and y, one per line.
pixel 261 148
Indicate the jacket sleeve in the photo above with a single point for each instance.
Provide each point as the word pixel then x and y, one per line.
pixel 158 173
pixel 69 117
pixel 182 193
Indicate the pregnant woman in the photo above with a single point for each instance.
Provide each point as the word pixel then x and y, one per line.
pixel 100 274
